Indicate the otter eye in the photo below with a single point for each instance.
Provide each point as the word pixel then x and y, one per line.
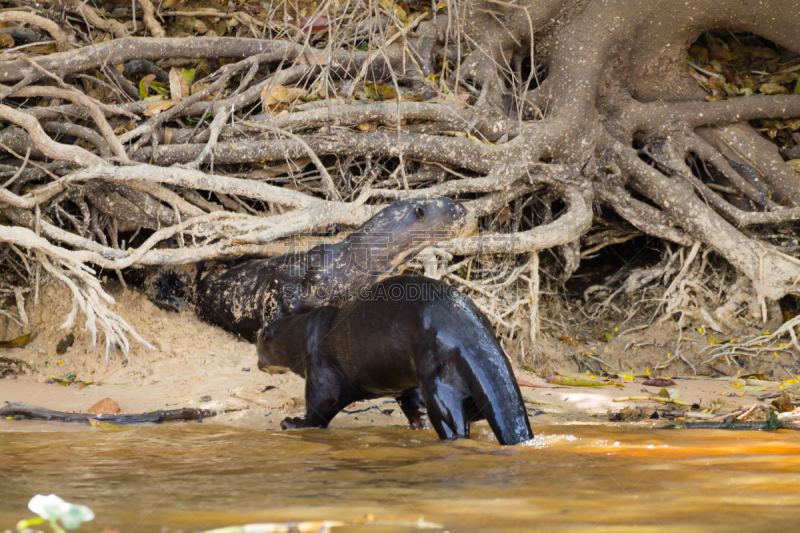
pixel 420 213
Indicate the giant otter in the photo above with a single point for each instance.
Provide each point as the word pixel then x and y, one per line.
pixel 255 292
pixel 401 334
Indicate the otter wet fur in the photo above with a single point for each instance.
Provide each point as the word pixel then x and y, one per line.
pixel 404 336
pixel 255 292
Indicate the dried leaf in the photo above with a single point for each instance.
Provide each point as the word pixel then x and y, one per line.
pixel 199 86
pixel 399 12
pixel 65 343
pixel 670 394
pixel 718 50
pixel 773 88
pixel 795 165
pixel 6 40
pixel 658 382
pixel 62 382
pixel 22 340
pixel 404 6
pixel 752 376
pixel 106 406
pixel 271 96
pixel 176 83
pixel 144 85
pixel 571 381
pixel 760 51
pixel 158 107
pixel 568 340
pixel 105 425
pixel 783 403
pixel 199 26
pixel 128 126
pixel 380 92
pixel 307 23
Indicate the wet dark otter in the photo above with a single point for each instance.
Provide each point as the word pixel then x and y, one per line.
pixel 255 292
pixel 402 335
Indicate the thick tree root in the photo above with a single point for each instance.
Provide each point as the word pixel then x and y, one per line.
pixel 310 132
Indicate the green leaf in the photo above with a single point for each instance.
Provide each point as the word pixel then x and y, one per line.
pixel 144 85
pixel 797 86
pixel 159 87
pixel 188 75
pixel 25 524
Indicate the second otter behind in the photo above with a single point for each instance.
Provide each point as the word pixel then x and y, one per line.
pixel 254 292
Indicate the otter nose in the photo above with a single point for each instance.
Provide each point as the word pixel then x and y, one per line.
pixel 461 209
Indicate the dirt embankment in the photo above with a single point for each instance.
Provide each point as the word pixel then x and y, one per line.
pixel 198 365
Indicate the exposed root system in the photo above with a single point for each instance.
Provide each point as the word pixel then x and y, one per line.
pixel 168 135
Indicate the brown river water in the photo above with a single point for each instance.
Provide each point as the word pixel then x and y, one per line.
pixel 573 477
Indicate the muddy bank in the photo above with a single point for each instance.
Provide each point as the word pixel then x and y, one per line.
pixel 198 365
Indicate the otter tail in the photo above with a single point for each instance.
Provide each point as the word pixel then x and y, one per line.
pixel 496 394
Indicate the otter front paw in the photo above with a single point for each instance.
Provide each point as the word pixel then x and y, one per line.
pixel 293 423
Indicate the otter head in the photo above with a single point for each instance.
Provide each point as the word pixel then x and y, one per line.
pixel 271 352
pixel 400 231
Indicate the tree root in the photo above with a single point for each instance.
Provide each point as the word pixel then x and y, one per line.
pixel 451 104
pixel 88 296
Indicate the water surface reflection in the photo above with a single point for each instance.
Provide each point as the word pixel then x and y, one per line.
pixel 573 477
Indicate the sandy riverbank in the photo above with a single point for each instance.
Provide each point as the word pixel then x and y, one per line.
pixel 198 365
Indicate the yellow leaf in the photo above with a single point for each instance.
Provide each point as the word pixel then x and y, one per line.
pixel 19 341
pixel 573 381
pixel 105 425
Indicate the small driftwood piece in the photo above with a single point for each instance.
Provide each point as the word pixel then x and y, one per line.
pixel 22 410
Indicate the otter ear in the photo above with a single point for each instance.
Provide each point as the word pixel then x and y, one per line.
pixel 265 333
pixel 420 213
